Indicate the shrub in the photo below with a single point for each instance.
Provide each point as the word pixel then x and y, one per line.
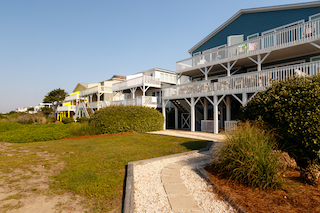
pixel 292 107
pixel 46 110
pixel 25 119
pixel 247 156
pixel 83 120
pixel 67 120
pixel 51 120
pixel 37 118
pixel 115 119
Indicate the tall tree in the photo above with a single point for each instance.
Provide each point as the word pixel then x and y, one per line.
pixel 55 97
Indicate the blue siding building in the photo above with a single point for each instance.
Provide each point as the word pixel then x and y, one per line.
pixel 252 21
pixel 240 58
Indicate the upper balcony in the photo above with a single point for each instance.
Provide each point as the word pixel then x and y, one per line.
pixel 297 35
pixel 149 101
pixel 95 89
pixel 143 80
pixel 66 108
pixel 243 83
pixel 72 97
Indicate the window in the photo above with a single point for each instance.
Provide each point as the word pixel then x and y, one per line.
pixel 315 16
pixel 197 53
pixel 166 77
pixel 256 35
pixel 316 58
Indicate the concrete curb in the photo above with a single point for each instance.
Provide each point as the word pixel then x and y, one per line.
pixel 128 205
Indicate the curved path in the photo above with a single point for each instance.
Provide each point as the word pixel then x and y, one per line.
pixel 173 184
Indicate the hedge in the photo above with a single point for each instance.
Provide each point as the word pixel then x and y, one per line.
pixel 116 119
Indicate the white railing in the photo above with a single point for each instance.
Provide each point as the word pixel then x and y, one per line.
pixel 150 101
pixel 66 108
pixel 95 89
pixel 95 104
pixel 290 36
pixel 136 82
pixel 188 89
pixel 71 97
pixel 230 126
pixel 247 82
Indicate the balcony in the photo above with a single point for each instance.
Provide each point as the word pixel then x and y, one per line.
pixel 287 37
pixel 137 82
pixel 71 97
pixel 248 82
pixel 148 101
pixel 66 108
pixel 95 89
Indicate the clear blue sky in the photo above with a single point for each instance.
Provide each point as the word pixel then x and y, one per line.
pixel 49 44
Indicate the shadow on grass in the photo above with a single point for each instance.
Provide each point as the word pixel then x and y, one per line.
pixel 195 145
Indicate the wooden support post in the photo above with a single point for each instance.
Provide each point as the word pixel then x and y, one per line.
pixel 176 117
pixel 244 99
pixel 228 108
pixel 164 104
pixel 192 112
pixel 215 115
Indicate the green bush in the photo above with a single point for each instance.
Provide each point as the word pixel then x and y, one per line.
pixel 115 119
pixel 67 120
pixel 292 107
pixel 51 120
pixel 247 157
pixel 83 120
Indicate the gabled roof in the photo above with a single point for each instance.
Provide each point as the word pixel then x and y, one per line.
pixel 254 10
pixel 80 86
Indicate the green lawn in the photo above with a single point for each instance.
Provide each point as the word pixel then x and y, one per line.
pixel 95 167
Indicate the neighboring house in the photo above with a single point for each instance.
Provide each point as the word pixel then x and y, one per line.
pixel 35 109
pixel 87 98
pixel 145 88
pixel 241 57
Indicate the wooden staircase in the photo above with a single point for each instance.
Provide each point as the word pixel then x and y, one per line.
pixel 89 111
pixel 181 108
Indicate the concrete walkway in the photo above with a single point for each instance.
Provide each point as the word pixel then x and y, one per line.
pixel 195 135
pixel 178 195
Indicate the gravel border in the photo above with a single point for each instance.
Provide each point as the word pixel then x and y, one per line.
pixel 225 197
pixel 128 205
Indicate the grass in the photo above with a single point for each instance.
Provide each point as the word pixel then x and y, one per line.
pixel 95 167
pixel 14 196
pixel 21 133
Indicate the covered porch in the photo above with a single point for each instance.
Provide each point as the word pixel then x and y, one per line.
pixel 219 94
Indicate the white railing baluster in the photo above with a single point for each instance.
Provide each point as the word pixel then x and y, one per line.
pixel 297 34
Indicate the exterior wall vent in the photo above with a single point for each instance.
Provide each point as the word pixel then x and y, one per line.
pixel 234 39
